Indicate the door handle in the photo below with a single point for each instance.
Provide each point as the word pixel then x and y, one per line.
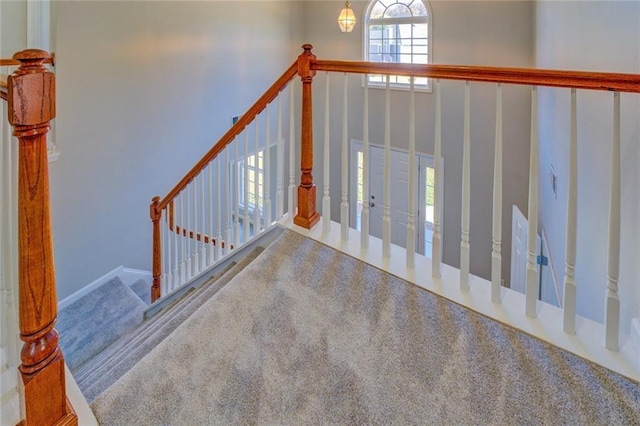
pixel 372 204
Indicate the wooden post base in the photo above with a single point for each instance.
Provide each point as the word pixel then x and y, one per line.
pixel 307 215
pixel 39 390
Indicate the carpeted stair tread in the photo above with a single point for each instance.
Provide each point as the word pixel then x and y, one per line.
pixel 148 326
pixel 308 335
pixel 143 290
pixel 128 354
pixel 97 311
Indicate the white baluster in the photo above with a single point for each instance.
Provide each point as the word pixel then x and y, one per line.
pixel 247 225
pixel 256 182
pixel 569 304
pixel 326 200
pixel 218 208
pixel 436 251
pixel 386 213
pixel 212 211
pixel 531 291
pixel 496 253
pixel 364 214
pixel 236 195
pixel 344 206
pixel 196 254
pixel 266 183
pixel 165 254
pixel 183 238
pixel 188 232
pixel 227 202
pixel 176 248
pixel 466 191
pixel 411 221
pixel 203 221
pixel 279 164
pixel 292 154
pixel 612 304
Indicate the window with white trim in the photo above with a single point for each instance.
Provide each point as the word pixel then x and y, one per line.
pixel 398 31
pixel 255 169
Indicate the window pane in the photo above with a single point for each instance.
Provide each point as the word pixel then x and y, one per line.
pixel 417 8
pixel 397 11
pixel 377 11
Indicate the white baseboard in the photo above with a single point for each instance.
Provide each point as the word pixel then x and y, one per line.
pixel 89 288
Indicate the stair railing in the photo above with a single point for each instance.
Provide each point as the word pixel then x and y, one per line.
pixel 30 93
pixel 225 200
pixel 535 78
pixel 307 65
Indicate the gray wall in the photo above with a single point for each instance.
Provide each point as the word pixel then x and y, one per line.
pixel 13 27
pixel 591 36
pixel 468 33
pixel 144 90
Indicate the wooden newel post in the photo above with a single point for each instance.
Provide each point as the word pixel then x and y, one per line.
pixel 307 215
pixel 157 249
pixel 31 101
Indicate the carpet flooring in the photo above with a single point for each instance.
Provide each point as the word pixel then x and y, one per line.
pixel 95 321
pixel 307 335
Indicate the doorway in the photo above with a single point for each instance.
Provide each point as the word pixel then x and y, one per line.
pixel 399 174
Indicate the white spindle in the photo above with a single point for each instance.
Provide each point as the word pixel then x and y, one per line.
pixel 176 247
pixel 531 290
pixel 203 221
pixel 279 164
pixel 436 249
pixel 411 221
pixel 236 197
pixel 247 225
pixel 466 191
pixel 166 253
pixel 256 186
pixel 612 304
pixel 212 248
pixel 227 202
pixel 196 255
pixel 386 199
pixel 218 208
pixel 364 215
pixel 187 232
pixel 496 254
pixel 344 205
pixel 326 200
pixel 266 183
pixel 569 304
pixel 183 238
pixel 292 153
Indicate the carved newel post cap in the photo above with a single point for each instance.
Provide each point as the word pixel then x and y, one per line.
pixel 32 56
pixel 307 47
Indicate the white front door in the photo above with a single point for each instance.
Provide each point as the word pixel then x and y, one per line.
pixel 399 194
pixel 399 175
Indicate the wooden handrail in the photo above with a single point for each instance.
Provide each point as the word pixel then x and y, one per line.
pixel 31 107
pixel 234 131
pixel 534 77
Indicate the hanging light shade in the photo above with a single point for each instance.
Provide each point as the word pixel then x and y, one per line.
pixel 346 20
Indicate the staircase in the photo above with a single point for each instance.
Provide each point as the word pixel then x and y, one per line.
pixel 106 367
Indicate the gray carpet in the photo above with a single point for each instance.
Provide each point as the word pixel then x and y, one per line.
pixel 92 323
pixel 102 371
pixel 143 290
pixel 306 335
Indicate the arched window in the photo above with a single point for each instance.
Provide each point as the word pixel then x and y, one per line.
pixel 398 31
